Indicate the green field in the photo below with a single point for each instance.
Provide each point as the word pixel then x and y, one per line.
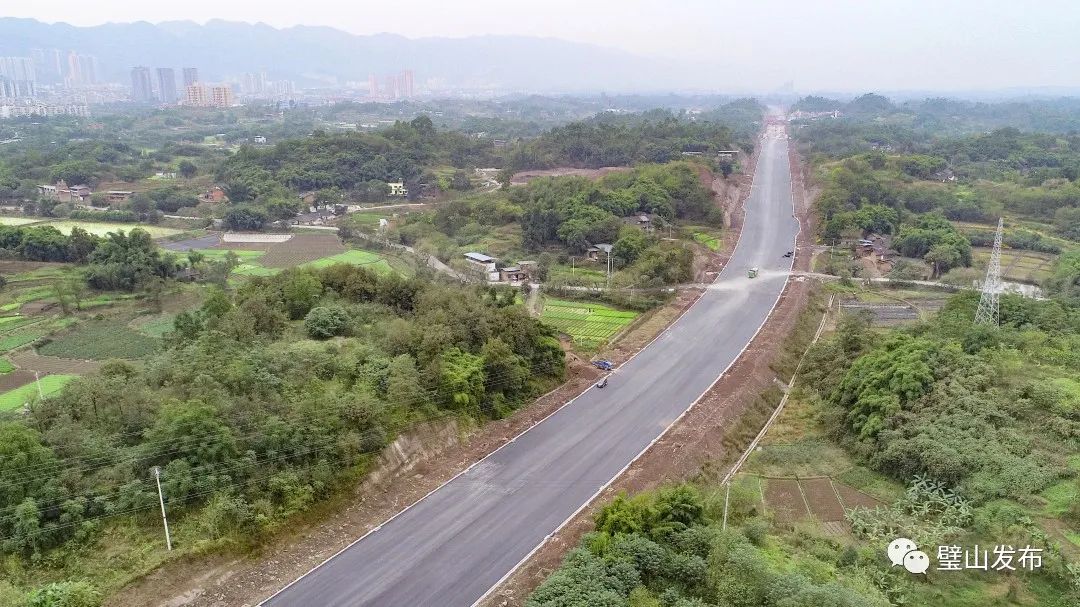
pixel 99 340
pixel 10 342
pixel 6 366
pixel 156 326
pixel 249 262
pixel 102 228
pixel 13 399
pixel 356 258
pixel 17 221
pixel 1018 265
pixel 713 242
pixel 588 324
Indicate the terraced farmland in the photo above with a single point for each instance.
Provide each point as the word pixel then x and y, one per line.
pixel 1019 265
pixel 590 325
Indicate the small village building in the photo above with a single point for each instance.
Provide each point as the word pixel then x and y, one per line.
pixel 214 194
pixel 512 274
pixel 397 188
pixel 112 196
pixel 62 192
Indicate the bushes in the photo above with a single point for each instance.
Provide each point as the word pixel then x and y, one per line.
pixel 324 322
pixel 660 548
pixel 65 594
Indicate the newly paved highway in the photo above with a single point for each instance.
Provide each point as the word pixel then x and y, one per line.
pixel 448 549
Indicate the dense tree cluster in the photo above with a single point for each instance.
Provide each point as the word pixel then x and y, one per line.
pixel 250 422
pixel 935 400
pixel 360 163
pixel 578 212
pixel 655 136
pixel 121 260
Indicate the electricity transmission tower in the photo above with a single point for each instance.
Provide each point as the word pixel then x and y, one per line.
pixel 987 314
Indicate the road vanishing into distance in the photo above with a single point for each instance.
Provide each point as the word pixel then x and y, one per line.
pixel 450 548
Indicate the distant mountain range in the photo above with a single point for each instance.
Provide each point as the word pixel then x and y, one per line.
pixel 313 55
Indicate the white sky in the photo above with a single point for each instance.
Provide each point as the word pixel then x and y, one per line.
pixel 835 44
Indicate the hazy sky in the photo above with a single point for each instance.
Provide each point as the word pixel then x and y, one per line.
pixel 837 44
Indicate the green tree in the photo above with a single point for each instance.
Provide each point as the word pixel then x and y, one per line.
pixel 187 169
pixel 324 322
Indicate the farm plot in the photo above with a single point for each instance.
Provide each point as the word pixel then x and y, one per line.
pixel 13 399
pixel 101 228
pixel 302 249
pixel 99 340
pixel 589 325
pixel 1017 265
pixel 356 258
pixel 250 261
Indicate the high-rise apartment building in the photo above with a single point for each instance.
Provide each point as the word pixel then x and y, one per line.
pixel 191 76
pixel 142 88
pixel 221 96
pixel 167 85
pixel 17 77
pixel 81 69
pixel 202 95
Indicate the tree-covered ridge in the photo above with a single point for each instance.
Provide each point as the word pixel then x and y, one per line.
pixel 578 212
pixel 350 161
pixel 251 422
pixel 655 136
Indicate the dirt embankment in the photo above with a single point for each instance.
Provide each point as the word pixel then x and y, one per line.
pixel 523 177
pixel 711 435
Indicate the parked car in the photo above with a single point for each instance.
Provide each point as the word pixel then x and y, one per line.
pixel 604 365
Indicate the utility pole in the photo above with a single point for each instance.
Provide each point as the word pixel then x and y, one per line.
pixel 609 269
pixel 37 380
pixel 727 497
pixel 161 499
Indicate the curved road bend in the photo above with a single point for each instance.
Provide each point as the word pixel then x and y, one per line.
pixel 449 548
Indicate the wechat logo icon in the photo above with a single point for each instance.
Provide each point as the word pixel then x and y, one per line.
pixel 904 552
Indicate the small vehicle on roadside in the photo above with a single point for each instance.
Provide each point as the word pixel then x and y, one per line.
pixel 601 383
pixel 603 365
pixel 789 253
pixel 752 273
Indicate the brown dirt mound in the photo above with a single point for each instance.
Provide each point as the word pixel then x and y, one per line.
pixel 526 176
pixel 301 249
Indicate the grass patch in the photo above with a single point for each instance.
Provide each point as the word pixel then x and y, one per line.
pixel 100 340
pixel 713 242
pixel 156 326
pixel 13 399
pixel 10 342
pixel 590 325
pixel 18 221
pixel 354 257
pixel 6 366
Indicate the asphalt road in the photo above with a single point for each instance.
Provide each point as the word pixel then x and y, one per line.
pixel 448 549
